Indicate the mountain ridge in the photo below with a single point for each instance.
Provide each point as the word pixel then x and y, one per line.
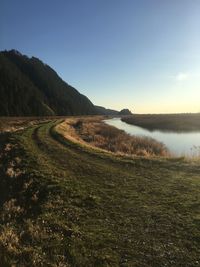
pixel 29 87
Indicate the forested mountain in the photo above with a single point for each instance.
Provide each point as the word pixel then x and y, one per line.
pixel 106 111
pixel 125 111
pixel 28 87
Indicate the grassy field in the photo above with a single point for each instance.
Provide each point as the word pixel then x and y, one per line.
pixel 12 124
pixel 66 204
pixel 166 122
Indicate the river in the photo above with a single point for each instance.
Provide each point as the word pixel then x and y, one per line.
pixel 179 144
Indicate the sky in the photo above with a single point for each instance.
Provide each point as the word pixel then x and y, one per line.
pixel 138 54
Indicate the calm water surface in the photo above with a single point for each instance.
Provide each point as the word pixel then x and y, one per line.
pixel 179 144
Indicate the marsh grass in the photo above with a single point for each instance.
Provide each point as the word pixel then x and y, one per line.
pixel 96 133
pixel 166 122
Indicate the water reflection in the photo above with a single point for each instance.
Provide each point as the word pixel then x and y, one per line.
pixel 179 144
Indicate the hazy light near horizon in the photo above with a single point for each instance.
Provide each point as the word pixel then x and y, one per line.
pixel 160 109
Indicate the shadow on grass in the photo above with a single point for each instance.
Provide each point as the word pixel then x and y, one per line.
pixel 21 197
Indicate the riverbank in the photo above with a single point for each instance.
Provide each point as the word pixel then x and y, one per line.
pixel 179 144
pixel 166 122
pixel 65 204
pixel 95 132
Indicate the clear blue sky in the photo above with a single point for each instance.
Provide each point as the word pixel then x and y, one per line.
pixel 139 54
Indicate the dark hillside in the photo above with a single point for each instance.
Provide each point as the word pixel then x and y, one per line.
pixel 30 87
pixel 106 111
pixel 18 95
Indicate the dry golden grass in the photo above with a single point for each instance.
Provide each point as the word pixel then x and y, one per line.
pixel 95 132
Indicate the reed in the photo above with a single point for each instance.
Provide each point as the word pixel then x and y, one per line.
pixel 101 135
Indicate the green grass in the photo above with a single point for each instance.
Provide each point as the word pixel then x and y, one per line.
pixel 63 204
pixel 187 122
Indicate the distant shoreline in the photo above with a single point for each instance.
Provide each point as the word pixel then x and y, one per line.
pixel 185 122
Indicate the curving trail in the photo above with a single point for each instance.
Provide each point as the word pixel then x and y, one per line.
pixel 90 208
